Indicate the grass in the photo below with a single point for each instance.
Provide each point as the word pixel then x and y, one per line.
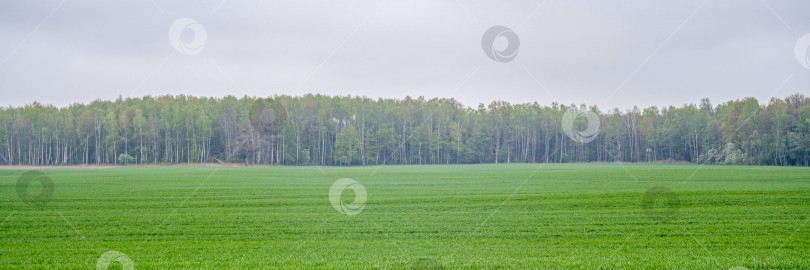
pixel 507 216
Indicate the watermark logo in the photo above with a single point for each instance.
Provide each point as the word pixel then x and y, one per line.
pixel 489 40
pixel 582 136
pixel 196 44
pixel 268 116
pixel 337 190
pixel 661 213
pixel 111 256
pixel 801 51
pixel 24 184
pixel 426 264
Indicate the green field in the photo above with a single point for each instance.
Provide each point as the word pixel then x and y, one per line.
pixel 515 216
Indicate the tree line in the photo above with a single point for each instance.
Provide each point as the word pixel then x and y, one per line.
pixel 326 130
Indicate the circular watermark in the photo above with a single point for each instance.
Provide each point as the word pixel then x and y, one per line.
pixel 337 190
pixel 268 116
pixel 582 136
pixel 192 47
pixel 508 53
pixel 801 51
pixel 108 257
pixel 24 184
pixel 659 213
pixel 425 264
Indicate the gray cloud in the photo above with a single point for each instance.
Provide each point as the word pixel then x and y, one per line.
pixel 581 51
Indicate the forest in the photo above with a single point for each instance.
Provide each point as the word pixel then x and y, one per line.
pixel 326 131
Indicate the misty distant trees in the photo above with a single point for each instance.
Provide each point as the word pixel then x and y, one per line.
pixel 323 130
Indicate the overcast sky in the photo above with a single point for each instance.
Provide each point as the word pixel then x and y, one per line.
pixel 610 53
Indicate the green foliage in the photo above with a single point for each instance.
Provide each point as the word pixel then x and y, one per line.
pixel 504 216
pixel 733 156
pixel 347 146
pixel 324 130
pixel 125 159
